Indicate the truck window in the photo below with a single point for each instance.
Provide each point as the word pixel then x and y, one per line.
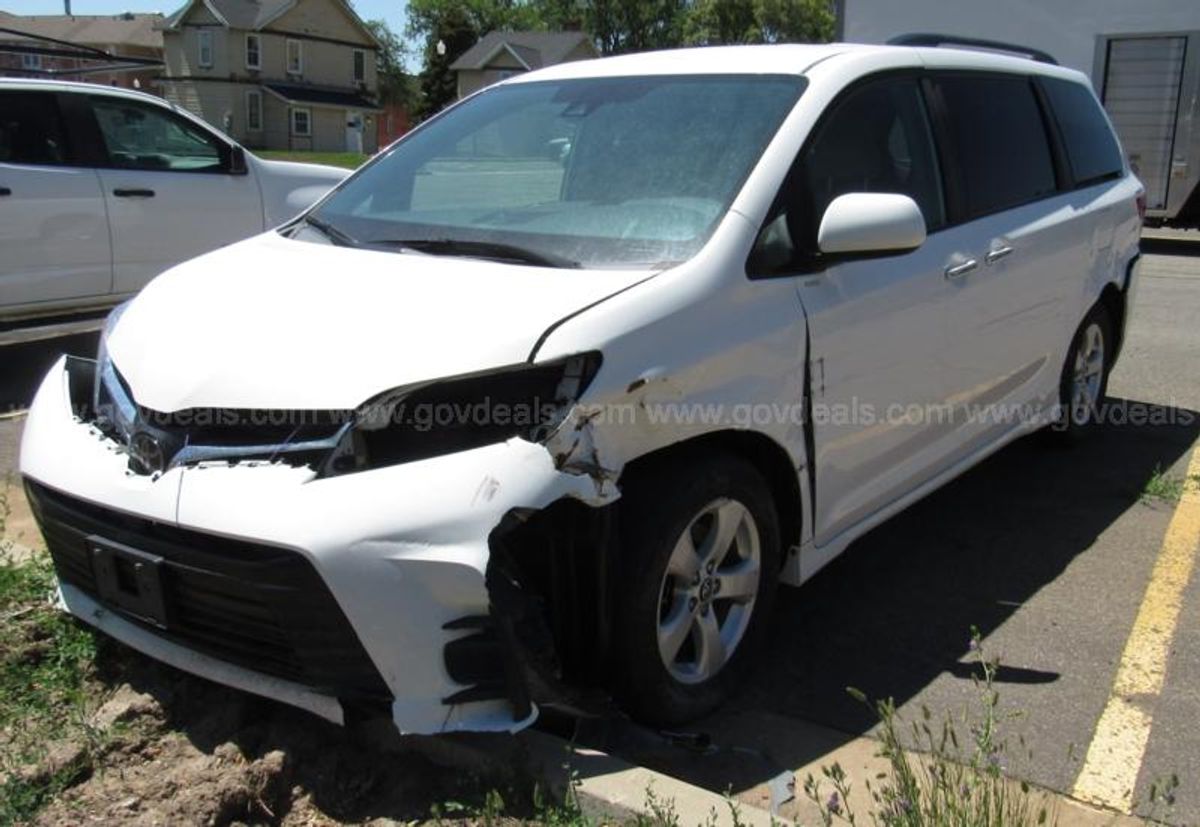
pixel 31 130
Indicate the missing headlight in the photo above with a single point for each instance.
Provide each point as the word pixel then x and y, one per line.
pixel 461 413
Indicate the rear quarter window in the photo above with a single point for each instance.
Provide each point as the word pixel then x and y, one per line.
pixel 1092 150
pixel 999 141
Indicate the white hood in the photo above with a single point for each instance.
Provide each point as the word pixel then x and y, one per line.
pixel 276 323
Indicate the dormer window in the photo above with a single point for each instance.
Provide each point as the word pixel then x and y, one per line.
pixel 253 52
pixel 295 57
pixel 204 49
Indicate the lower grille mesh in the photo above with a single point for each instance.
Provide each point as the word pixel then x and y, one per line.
pixel 257 606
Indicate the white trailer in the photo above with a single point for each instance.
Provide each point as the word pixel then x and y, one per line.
pixel 1143 58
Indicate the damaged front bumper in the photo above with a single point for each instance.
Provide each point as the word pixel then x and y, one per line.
pixel 405 586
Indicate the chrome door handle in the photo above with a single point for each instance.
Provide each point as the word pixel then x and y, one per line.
pixel 959 270
pixel 995 255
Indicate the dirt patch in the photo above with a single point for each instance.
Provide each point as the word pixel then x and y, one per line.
pixel 186 751
pixel 92 732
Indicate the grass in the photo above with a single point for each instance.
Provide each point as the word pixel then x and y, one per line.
pixel 45 698
pixel 949 783
pixel 1166 488
pixel 349 160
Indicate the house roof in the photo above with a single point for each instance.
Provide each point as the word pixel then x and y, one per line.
pixel 533 49
pixel 89 29
pixel 237 14
pixel 293 93
pixel 251 14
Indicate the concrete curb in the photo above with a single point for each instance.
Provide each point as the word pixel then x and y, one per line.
pixel 610 789
pixel 607 788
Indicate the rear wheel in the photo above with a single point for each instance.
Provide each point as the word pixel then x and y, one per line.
pixel 1084 381
pixel 699 567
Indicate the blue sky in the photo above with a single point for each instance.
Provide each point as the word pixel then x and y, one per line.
pixel 390 10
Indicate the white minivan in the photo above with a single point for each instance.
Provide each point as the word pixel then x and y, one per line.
pixel 543 403
pixel 101 189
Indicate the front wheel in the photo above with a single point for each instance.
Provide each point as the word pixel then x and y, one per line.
pixel 1084 381
pixel 698 571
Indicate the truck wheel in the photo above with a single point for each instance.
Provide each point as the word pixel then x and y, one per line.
pixel 697 576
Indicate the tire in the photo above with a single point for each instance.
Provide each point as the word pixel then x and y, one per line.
pixel 1083 384
pixel 675 587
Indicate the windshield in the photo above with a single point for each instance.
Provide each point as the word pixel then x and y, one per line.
pixel 594 172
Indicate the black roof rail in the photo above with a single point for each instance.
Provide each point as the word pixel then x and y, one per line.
pixel 928 39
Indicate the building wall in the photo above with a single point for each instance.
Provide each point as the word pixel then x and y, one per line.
pixel 146 79
pixel 212 101
pixel 1066 29
pixel 323 63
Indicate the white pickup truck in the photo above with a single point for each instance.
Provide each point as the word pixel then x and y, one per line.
pixel 101 189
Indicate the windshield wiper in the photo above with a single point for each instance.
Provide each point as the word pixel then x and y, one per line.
pixel 478 249
pixel 331 232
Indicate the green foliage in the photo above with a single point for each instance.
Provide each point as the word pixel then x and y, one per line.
pixel 45 661
pixel 709 22
pixel 1164 488
pixel 946 784
pixel 395 85
pixel 616 27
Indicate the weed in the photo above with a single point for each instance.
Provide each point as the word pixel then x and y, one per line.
pixel 1162 487
pixel 947 784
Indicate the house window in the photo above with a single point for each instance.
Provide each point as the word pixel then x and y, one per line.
pixel 253 59
pixel 295 57
pixel 31 62
pixel 360 65
pixel 254 111
pixel 204 46
pixel 302 122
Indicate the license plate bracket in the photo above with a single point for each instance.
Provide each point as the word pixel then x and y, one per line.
pixel 129 579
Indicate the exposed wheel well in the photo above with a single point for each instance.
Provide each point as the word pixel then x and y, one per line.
pixel 768 456
pixel 1112 299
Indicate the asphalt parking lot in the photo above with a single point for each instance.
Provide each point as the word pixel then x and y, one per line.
pixel 1047 550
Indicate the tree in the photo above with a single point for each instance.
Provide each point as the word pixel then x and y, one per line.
pixel 621 26
pixel 395 85
pixel 458 25
pixel 709 22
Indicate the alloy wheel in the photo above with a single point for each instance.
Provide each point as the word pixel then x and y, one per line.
pixel 708 591
pixel 1088 375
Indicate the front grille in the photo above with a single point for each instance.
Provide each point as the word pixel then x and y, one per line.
pixel 257 606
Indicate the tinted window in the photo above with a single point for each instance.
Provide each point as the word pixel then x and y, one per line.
pixel 146 137
pixel 876 139
pixel 1091 148
pixel 31 131
pixel 999 140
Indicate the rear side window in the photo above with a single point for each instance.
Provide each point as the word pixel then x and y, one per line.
pixel 1092 150
pixel 999 140
pixel 31 130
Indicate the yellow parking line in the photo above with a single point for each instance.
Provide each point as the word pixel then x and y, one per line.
pixel 1114 757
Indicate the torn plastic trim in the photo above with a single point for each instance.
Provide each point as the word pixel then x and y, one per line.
pixel 545 639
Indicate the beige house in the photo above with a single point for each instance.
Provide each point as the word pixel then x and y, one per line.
pixel 275 74
pixel 121 35
pixel 499 55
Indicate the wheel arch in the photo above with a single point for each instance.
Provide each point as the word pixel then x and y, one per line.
pixel 1112 299
pixel 769 457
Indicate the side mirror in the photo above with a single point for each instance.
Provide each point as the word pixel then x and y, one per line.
pixel 871 222
pixel 237 161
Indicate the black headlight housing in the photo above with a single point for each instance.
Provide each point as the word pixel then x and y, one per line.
pixel 463 412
